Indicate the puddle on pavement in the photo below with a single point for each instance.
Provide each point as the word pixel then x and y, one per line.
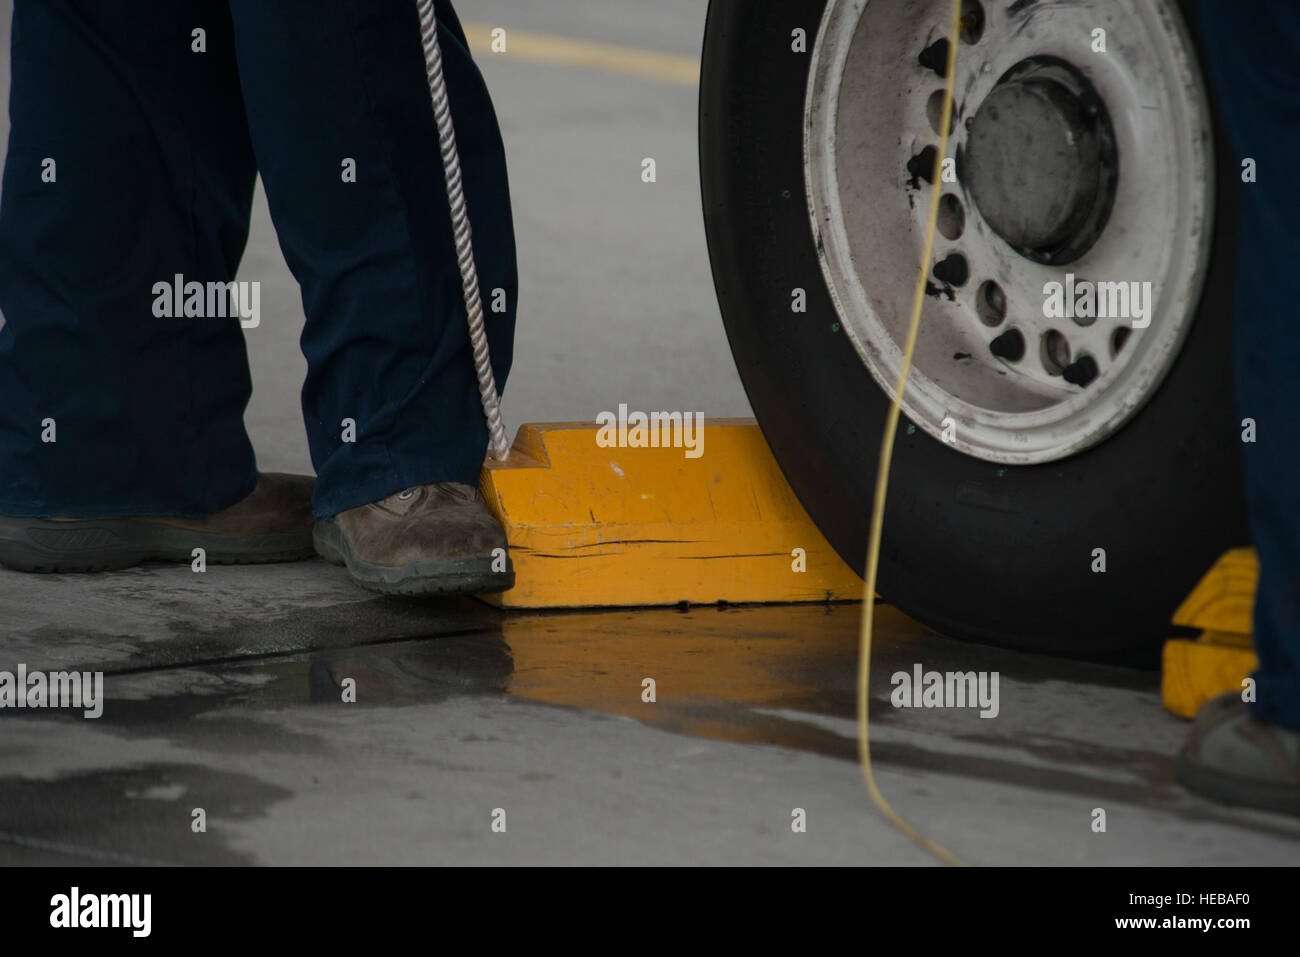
pixel 718 672
pixel 715 670
pixel 774 675
pixel 737 673
pixel 146 801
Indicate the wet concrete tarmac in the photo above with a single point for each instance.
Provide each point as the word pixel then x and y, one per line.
pixel 465 715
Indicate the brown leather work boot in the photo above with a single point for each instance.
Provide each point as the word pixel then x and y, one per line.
pixel 437 539
pixel 273 524
pixel 1234 759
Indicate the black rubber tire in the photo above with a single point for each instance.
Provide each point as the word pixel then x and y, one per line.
pixel 972 549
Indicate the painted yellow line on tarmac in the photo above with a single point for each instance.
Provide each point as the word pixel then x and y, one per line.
pixel 556 50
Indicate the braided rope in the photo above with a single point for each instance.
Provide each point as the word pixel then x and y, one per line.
pixel 487 386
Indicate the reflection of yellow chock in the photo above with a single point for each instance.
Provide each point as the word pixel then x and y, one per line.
pixel 591 525
pixel 1223 656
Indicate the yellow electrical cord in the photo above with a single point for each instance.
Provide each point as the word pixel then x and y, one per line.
pixel 882 474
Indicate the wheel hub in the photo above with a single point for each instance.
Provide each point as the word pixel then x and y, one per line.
pixel 1040 121
pixel 1041 162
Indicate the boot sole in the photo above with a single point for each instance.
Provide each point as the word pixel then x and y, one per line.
pixel 45 546
pixel 436 576
pixel 1238 792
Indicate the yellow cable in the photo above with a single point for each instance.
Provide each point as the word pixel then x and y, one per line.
pixel 882 474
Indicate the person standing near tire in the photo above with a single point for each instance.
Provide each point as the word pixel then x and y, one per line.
pixel 138 129
pixel 1240 752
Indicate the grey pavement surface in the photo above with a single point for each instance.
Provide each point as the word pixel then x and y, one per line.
pixel 225 689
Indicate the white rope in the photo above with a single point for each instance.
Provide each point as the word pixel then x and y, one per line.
pixel 487 385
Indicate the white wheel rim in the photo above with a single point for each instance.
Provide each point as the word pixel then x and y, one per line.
pixel 865 117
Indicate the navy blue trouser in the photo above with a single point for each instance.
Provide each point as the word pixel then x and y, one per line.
pixel 132 159
pixel 1254 50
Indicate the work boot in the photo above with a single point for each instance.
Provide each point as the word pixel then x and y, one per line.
pixel 272 524
pixel 1234 759
pixel 437 539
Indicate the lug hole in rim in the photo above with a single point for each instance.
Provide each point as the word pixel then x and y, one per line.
pixel 1082 371
pixel 1009 346
pixel 934 113
pixel 952 217
pixel 972 21
pixel 952 269
pixel 991 303
pixel 1055 352
pixel 921 167
pixel 935 57
pixel 1118 338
